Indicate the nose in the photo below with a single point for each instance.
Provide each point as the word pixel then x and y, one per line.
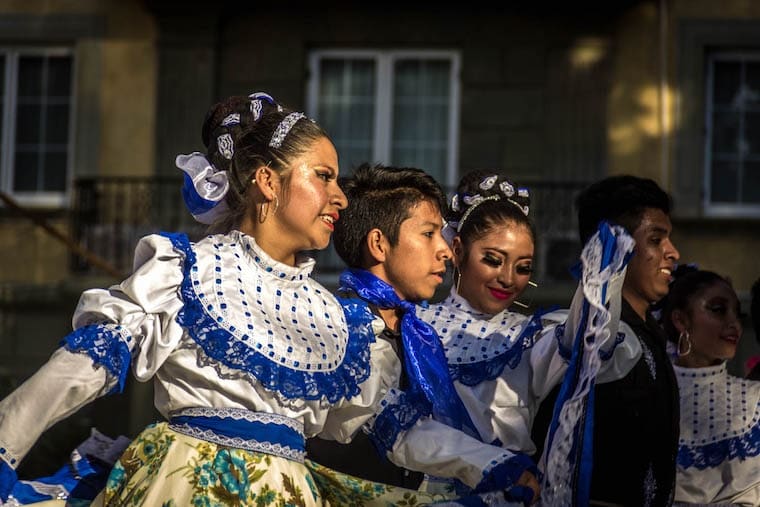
pixel 505 276
pixel 671 252
pixel 444 252
pixel 339 198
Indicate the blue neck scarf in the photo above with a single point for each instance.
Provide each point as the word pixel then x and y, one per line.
pixel 425 360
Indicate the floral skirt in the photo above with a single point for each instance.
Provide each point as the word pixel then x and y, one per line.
pixel 164 468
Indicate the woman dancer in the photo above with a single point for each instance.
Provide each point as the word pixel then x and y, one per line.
pixel 500 365
pixel 719 447
pixel 248 354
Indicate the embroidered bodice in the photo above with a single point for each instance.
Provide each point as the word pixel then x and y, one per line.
pixel 719 446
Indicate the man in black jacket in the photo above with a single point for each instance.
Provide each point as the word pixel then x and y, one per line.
pixel 636 418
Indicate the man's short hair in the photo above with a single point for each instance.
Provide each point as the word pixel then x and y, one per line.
pixel 620 200
pixel 380 197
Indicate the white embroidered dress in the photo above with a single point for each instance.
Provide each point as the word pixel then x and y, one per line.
pixel 718 459
pixel 503 365
pixel 217 325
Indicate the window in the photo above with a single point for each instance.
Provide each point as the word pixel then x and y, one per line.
pixel 732 152
pixel 394 107
pixel 36 105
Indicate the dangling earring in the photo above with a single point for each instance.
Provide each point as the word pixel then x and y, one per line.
pixel 457 279
pixel 276 205
pixel 531 283
pixel 684 338
pixel 263 212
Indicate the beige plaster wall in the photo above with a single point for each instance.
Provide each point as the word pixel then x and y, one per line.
pixel 116 77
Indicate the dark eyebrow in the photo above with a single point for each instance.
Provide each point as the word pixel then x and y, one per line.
pixel 659 230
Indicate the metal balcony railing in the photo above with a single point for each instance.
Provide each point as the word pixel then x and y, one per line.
pixel 110 214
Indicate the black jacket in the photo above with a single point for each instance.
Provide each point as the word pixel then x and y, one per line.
pixel 636 425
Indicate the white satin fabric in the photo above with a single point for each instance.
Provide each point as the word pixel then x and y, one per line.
pixel 721 411
pixel 146 306
pixel 504 408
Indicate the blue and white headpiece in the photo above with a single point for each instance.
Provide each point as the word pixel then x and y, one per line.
pixel 204 187
pixel 469 202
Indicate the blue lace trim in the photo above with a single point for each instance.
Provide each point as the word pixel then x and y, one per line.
pixel 504 475
pixel 606 355
pixel 713 454
pixel 8 479
pixel 106 348
pixel 220 345
pixel 472 374
pixel 564 352
pixel 397 417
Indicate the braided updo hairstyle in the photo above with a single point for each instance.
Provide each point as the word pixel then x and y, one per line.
pixel 237 134
pixel 507 204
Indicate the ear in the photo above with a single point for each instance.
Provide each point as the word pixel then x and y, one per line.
pixel 377 245
pixel 457 248
pixel 267 181
pixel 680 320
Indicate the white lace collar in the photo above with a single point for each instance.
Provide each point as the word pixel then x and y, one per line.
pixel 269 307
pixel 470 336
pixel 715 405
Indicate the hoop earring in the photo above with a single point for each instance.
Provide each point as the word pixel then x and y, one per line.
pixel 263 212
pixel 457 279
pixel 276 205
pixel 531 283
pixel 684 338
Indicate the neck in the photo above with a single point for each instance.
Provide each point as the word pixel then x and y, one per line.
pixel 269 240
pixel 696 361
pixel 638 304
pixel 390 317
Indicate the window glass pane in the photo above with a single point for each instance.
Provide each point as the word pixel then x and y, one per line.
pixel 28 124
pixel 57 124
pixel 54 171
pixel 752 82
pixel 59 77
pixel 42 123
pixel 751 138
pixel 422 99
pixel 725 181
pixel 347 107
pixel 725 133
pixel 25 173
pixel 30 77
pixel 751 183
pixel 726 82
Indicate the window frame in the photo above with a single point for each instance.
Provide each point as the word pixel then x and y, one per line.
pixel 723 209
pixel 383 121
pixel 41 199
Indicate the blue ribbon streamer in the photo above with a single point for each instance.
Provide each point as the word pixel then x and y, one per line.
pixel 426 364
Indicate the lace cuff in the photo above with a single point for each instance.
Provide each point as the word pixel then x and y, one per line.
pixel 8 479
pixel 106 344
pixel 504 475
pixel 399 412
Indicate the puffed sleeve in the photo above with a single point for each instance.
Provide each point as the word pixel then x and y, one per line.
pixel 412 439
pixel 129 323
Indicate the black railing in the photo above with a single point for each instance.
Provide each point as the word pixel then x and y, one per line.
pixel 110 214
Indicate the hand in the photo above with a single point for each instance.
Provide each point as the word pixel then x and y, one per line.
pixel 528 480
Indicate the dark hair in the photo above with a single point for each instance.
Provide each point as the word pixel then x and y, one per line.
pixel 254 121
pixel 688 283
pixel 489 213
pixel 380 197
pixel 621 200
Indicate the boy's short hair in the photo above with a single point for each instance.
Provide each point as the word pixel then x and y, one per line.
pixel 621 200
pixel 380 197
